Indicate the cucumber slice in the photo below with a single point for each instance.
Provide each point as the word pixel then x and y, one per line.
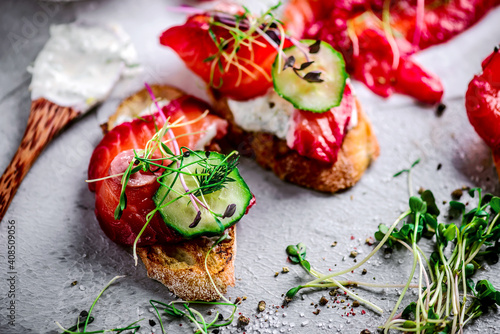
pixel 181 212
pixel 312 96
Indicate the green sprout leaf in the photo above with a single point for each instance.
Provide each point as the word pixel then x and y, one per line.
pixel 382 231
pixel 428 197
pixel 417 205
pixel 451 232
pixel 470 270
pixel 297 253
pixel 495 204
pixel 470 285
pixel 487 294
pixel 293 291
pixel 409 310
pixel 472 191
pixel 416 162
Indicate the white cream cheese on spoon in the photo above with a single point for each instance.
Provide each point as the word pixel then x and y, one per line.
pixel 80 64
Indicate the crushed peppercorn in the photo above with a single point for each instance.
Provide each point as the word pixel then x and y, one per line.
pixel 457 194
pixel 243 321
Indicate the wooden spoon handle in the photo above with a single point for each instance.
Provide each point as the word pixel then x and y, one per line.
pixel 46 119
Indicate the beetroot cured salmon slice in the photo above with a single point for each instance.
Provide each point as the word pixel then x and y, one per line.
pixel 320 136
pixel 113 155
pixel 135 134
pixel 193 42
pixel 482 102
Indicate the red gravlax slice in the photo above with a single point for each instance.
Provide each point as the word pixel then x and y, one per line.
pixel 482 101
pixel 135 134
pixel 193 43
pixel 139 192
pixel 320 136
pixel 113 155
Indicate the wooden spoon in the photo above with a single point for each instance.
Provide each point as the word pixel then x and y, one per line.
pixel 77 68
pixel 45 121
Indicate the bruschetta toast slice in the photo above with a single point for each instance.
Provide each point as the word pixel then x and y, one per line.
pixel 179 264
pixel 359 148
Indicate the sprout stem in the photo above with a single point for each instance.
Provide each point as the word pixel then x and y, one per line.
pixel 373 252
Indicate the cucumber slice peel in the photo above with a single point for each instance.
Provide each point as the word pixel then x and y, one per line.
pixel 292 83
pixel 227 203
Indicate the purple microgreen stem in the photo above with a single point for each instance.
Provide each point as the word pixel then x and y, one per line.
pixel 177 150
pixel 301 47
pixel 271 41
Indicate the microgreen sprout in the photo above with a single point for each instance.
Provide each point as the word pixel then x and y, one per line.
pixel 245 30
pixel 447 298
pixel 408 170
pixel 87 319
pixel 176 309
pixel 297 253
pixel 443 303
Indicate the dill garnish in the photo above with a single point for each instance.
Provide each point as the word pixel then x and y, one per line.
pixel 214 178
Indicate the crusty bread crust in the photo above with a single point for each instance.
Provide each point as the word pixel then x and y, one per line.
pixel 181 266
pixel 133 105
pixel 359 149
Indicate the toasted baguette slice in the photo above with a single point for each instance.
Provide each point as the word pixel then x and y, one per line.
pixel 133 105
pixel 359 149
pixel 181 266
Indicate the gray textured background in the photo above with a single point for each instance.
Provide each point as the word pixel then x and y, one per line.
pixel 59 240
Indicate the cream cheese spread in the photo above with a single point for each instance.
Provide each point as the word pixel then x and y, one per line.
pixel 270 113
pixel 80 64
pixel 150 110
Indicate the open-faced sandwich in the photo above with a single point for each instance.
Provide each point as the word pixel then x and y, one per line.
pixel 159 190
pixel 482 102
pixel 288 102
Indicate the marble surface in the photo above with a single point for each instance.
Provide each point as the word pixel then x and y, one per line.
pixel 59 241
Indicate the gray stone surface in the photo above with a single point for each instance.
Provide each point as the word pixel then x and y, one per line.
pixel 59 240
